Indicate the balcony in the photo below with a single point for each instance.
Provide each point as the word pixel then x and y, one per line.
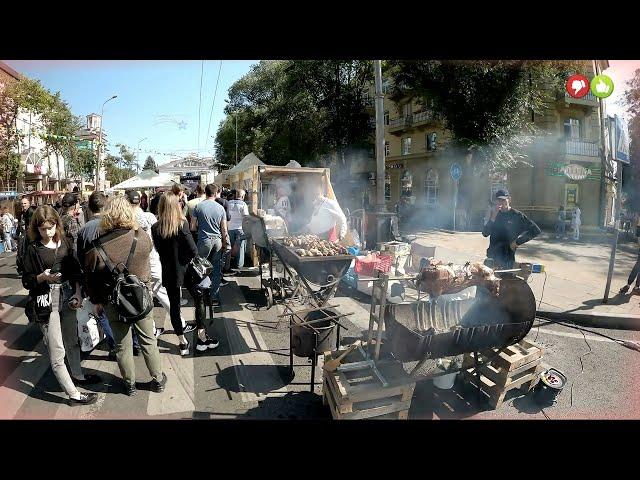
pixel 589 100
pixel 397 125
pixel 582 148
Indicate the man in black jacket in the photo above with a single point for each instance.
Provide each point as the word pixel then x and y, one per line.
pixel 508 229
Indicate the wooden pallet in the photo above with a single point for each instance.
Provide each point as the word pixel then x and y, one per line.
pixel 358 394
pixel 517 366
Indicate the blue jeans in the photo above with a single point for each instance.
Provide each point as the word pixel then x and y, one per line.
pixel 106 328
pixel 211 249
pixel 233 237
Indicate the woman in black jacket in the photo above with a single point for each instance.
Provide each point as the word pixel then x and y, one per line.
pixel 176 248
pixel 52 275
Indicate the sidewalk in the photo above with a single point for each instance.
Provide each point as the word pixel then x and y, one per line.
pixel 575 278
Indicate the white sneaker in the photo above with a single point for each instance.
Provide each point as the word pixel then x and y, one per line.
pixel 184 349
pixel 209 343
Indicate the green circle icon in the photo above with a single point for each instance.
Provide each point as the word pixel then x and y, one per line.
pixel 601 86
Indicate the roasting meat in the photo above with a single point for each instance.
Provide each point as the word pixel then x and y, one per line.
pixel 438 278
pixel 313 246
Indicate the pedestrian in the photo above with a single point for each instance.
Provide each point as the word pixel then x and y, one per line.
pixel 191 204
pixel 173 240
pixel 237 211
pixel 507 228
pixel 87 234
pixel 560 225
pixel 144 202
pixel 221 198
pixel 210 220
pixel 153 205
pixel 635 271
pixel 23 238
pixel 71 219
pixel 178 190
pixel 576 221
pixel 8 223
pixel 146 220
pixel 123 243
pixel 52 275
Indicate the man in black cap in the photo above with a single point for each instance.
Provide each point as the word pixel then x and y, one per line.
pixel 508 229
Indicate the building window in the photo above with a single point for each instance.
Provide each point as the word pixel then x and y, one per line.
pixel 431 187
pixel 498 182
pixel 406 146
pixel 386 149
pixel 572 128
pixel 386 117
pixel 430 141
pixel 407 110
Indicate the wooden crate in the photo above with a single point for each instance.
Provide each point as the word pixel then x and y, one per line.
pixel 358 394
pixel 518 366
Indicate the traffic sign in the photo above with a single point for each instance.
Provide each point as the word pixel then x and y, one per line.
pixel 456 171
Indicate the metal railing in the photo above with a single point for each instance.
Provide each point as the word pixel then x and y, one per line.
pixel 582 147
pixel 590 97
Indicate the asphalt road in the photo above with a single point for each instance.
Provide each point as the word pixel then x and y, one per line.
pixel 247 376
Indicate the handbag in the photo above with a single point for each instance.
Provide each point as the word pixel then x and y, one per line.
pixel 90 332
pixel 198 269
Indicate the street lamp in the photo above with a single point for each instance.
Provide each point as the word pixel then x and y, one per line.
pixel 100 143
pixel 138 154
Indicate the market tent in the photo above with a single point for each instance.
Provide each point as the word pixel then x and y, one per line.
pixel 146 179
pixel 247 162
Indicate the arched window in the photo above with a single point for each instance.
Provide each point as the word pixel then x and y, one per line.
pixel 431 187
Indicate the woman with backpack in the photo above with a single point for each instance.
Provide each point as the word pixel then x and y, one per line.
pixel 121 244
pixel 52 275
pixel 174 243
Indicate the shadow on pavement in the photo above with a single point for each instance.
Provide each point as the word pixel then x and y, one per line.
pixel 259 378
pixel 291 406
pixel 613 301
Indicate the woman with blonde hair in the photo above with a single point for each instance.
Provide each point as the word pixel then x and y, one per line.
pixel 122 244
pixel 52 275
pixel 174 243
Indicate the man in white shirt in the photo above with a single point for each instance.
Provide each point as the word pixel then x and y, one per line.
pixel 191 205
pixel 237 210
pixel 328 220
pixel 7 224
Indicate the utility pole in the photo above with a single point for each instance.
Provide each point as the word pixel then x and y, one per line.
pixel 97 186
pixel 381 205
pixel 236 115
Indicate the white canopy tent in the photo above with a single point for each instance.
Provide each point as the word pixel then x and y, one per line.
pixel 146 179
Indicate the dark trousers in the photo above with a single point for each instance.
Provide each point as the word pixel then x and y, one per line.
pixel 173 293
pixel 635 273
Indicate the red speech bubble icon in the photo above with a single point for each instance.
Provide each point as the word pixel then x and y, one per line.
pixel 577 86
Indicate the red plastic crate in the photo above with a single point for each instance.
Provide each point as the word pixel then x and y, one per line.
pixel 372 262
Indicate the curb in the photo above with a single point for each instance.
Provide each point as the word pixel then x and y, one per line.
pixel 600 320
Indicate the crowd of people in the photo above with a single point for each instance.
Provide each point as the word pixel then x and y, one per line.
pixel 67 256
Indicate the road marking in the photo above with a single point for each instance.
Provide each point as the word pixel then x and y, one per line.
pixel 572 335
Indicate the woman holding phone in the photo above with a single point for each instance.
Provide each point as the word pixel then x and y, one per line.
pixel 52 273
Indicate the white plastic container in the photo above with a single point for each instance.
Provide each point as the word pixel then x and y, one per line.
pixel 445 382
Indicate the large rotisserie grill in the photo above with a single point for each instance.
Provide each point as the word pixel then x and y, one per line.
pixel 488 321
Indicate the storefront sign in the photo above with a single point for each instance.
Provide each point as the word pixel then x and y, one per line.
pixel 576 172
pixel 394 166
pixel 560 169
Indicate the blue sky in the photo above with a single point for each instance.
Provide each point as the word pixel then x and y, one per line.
pixel 154 97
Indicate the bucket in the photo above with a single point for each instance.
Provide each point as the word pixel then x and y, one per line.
pixel 551 383
pixel 445 382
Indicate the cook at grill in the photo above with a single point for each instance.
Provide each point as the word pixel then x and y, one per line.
pixel 507 228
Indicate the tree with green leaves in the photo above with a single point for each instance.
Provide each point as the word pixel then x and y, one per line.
pixel 631 174
pixel 486 104
pixel 298 110
pixel 150 164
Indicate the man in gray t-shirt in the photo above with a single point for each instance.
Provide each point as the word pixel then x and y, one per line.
pixel 210 219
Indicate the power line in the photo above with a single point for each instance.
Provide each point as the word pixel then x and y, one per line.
pixel 206 140
pixel 200 103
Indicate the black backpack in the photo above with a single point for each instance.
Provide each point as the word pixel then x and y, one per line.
pixel 129 294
